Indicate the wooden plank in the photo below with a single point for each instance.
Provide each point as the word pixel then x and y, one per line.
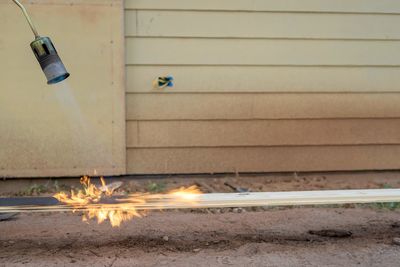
pixel 178 51
pixel 150 134
pixel 262 159
pixel 261 106
pixel 265 79
pixel 260 25
pixel 250 199
pixel 298 198
pixel 367 6
pixel 28 201
pixel 75 127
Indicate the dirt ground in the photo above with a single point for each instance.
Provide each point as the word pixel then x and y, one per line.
pixel 351 235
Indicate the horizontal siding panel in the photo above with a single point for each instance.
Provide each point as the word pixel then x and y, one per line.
pixel 177 51
pixel 262 159
pixel 262 133
pixel 261 106
pixel 379 6
pixel 266 79
pixel 131 23
pixel 261 25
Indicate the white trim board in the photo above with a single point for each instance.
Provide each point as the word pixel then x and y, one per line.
pixel 218 200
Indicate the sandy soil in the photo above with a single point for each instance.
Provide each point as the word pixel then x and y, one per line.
pixel 351 235
pixel 269 238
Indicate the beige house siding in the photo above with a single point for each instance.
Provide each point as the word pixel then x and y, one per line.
pixel 265 85
pixel 43 131
pixel 261 85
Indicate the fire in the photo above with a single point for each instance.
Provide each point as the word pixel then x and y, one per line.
pixel 97 202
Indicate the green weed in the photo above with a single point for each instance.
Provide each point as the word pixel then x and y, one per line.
pixel 156 187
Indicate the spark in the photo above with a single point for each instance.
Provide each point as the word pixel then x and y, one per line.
pixel 125 209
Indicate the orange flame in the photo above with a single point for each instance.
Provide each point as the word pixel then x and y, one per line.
pixel 125 209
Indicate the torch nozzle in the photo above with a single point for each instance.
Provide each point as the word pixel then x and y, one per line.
pixel 49 60
pixel 46 54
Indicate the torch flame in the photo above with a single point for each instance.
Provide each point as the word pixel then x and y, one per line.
pixel 190 194
pixel 91 197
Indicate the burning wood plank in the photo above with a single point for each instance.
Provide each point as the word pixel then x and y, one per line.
pixel 102 204
pixel 215 200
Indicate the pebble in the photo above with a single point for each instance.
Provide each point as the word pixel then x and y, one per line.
pixel 396 225
pixel 331 233
pixel 215 211
pixel 238 210
pixel 166 238
pixel 196 250
pixel 396 241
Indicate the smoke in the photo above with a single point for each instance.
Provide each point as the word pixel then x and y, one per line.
pixel 86 143
pixel 70 107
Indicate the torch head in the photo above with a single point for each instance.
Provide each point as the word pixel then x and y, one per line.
pixel 49 60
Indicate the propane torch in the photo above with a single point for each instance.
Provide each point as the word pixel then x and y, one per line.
pixel 46 53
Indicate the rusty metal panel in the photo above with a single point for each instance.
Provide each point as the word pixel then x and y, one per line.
pixel 74 128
